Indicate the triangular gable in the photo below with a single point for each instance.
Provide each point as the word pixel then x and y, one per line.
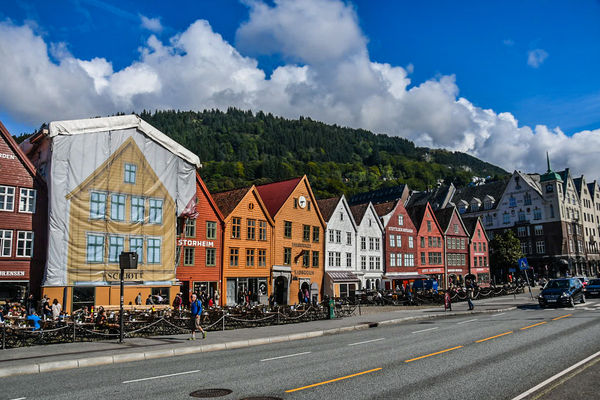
pixel 211 201
pixel 275 194
pixel 18 152
pixel 375 216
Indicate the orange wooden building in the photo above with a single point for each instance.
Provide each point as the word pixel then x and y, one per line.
pixel 247 246
pixel 199 246
pixel 298 245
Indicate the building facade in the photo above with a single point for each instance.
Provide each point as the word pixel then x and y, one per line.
pixel 456 244
pixel 369 246
pixel 478 247
pixel 430 243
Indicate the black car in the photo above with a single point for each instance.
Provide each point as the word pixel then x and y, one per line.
pixel 562 292
pixel 593 288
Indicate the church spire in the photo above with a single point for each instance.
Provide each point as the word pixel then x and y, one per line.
pixel 548 160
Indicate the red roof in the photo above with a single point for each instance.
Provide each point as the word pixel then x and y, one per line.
pixel 276 193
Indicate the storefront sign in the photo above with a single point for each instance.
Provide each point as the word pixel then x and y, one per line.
pixel 479 270
pixel 432 271
pixel 195 243
pixel 455 270
pixel 8 156
pixel 303 245
pixel 12 273
pixel 395 229
pixel 302 273
pixel 129 275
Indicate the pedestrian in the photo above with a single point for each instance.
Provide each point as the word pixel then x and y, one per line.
pixel 138 299
pixel 178 301
pixel 217 297
pixel 56 309
pixel 447 301
pixel 306 296
pixel 300 296
pixel 149 300
pixel 470 296
pixel 47 310
pixel 211 303
pixel 196 313
pixel 30 304
pixel 34 319
pixel 159 298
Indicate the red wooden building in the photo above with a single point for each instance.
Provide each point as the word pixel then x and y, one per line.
pixel 430 243
pixel 400 244
pixel 456 239
pixel 23 222
pixel 479 264
pixel 199 245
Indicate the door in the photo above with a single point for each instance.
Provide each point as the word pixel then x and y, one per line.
pixel 231 291
pixel 280 290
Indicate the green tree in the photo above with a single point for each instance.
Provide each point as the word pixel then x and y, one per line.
pixel 505 251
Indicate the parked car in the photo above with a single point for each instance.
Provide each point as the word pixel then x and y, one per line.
pixel 584 280
pixel 593 288
pixel 562 292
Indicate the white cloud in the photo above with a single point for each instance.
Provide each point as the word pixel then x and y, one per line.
pixel 152 24
pixel 536 57
pixel 335 82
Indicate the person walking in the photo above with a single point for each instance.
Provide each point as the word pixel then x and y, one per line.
pixel 138 299
pixel 30 304
pixel 447 301
pixel 56 309
pixel 217 297
pixel 149 300
pixel 196 313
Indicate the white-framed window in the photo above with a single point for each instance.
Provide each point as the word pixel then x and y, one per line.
pixel 6 238
pixel 392 259
pixel 338 236
pixel 97 205
pixel 348 238
pixel 137 209
pixel 411 243
pixel 153 247
pixel 117 207
pixel 377 243
pixel 116 244
pixel 24 243
pixel 136 244
pixel 7 198
pixel 398 241
pixel 377 262
pixel 409 260
pixel 392 240
pixel 371 243
pixel 95 248
pixel 363 243
pixel 27 200
pixel 401 220
pixel 338 259
pixel 331 260
pixel 540 247
pixel 371 262
pixel 130 172
pixel 156 211
pixel 363 262
pixel 349 260
pixel 331 235
pixel 399 260
pixel 539 230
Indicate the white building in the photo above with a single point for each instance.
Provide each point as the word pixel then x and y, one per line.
pixel 369 246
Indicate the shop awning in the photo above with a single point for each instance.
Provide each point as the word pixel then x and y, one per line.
pixel 343 276
pixel 405 276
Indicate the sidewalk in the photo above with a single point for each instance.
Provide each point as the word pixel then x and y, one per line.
pixel 38 359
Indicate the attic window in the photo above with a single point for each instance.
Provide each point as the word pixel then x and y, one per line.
pixel 130 172
pixel 251 206
pixel 341 216
pixel 455 228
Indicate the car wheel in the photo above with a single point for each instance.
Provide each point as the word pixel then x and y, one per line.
pixel 583 298
pixel 571 302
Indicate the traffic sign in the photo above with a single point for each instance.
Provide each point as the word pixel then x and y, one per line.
pixel 523 265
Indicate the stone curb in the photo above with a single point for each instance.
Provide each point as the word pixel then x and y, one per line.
pixel 148 355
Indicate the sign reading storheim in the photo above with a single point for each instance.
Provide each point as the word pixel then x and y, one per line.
pixel 129 275
pixel 196 243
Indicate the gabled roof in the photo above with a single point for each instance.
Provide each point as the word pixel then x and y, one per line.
pixel 444 216
pixel 227 201
pixel 437 198
pixel 578 185
pixel 494 189
pixel 358 212
pixel 385 208
pixel 16 149
pixel 328 206
pixel 211 200
pixel 276 193
pixel 416 214
pixel 470 223
pixel 379 196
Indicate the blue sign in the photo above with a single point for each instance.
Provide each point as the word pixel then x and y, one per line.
pixel 523 265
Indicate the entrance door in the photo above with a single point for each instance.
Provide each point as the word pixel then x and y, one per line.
pixel 231 291
pixel 280 290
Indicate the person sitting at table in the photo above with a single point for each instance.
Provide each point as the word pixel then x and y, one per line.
pixel 101 321
pixel 149 300
pixel 34 319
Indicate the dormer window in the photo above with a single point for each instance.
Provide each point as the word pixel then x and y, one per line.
pixel 512 202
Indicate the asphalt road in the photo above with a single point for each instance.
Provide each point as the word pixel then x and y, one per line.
pixel 486 356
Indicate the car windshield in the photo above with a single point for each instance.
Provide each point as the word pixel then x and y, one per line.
pixel 562 284
pixel 594 282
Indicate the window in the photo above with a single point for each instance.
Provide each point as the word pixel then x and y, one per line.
pixel 480 248
pixel 349 260
pixel 435 258
pixel 262 230
pixel 540 247
pixel 306 258
pixel 398 241
pixel 377 243
pixel 211 230
pixel 475 260
pixel 156 211
pixel 316 233
pixel 371 262
pixel 6 243
pixel 488 220
pixel 539 230
pixel 392 240
pixel 153 251
pixel 392 259
pixel 95 249
pixel 377 262
pixel 130 170
pixel 371 243
pixel 211 257
pixel 331 259
pixel 338 259
pixel 341 215
pixel 462 244
pixel 97 205
pixel 527 199
pixel 236 227
pixel 505 218
pixel 188 256
pixel 411 243
pixel 409 260
pixel 428 226
pixel 287 256
pixel 521 216
pixel 512 202
pixel 423 259
pixel 115 247
pixel 348 238
pixel 137 245
pixel 484 246
pixel 338 236
pixel 249 257
pixel 27 200
pixel 363 262
pixel 251 229
pixel 306 233
pixel 399 260
pixel 262 258
pixel 190 228
pixel 521 231
pixel 331 235
pixel 363 243
pixel 571 245
pixel 400 219
pixel 234 257
pixel 315 257
pixel 137 209
pixel 430 241
pixel 287 229
pixel 7 198
pixel 117 207
pixel 423 241
pixel 455 228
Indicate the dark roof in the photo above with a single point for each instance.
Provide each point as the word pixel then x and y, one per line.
pixel 592 190
pixel 494 189
pixel 444 216
pixel 327 206
pixel 228 201
pixel 358 212
pixel 276 193
pixel 577 182
pixel 437 198
pixel 378 196
pixel 21 156
pixel 416 214
pixel 470 224
pixel 385 208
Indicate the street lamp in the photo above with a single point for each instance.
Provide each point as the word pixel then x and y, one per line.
pixel 127 260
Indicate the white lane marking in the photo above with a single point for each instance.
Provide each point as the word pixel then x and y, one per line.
pixel 425 330
pixel 580 305
pixel 366 341
pixel 497 315
pixel 162 376
pixel 19 398
pixel 464 322
pixel 555 377
pixel 589 303
pixel 286 356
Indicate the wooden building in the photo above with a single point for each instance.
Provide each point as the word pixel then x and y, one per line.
pixel 430 243
pixel 479 260
pixel 456 240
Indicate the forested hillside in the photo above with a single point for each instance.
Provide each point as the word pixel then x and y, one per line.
pixel 239 148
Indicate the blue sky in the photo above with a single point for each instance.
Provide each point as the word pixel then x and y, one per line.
pixel 427 70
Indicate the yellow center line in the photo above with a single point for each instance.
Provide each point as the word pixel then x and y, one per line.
pixel 433 354
pixel 332 380
pixel 562 316
pixel 531 326
pixel 493 337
